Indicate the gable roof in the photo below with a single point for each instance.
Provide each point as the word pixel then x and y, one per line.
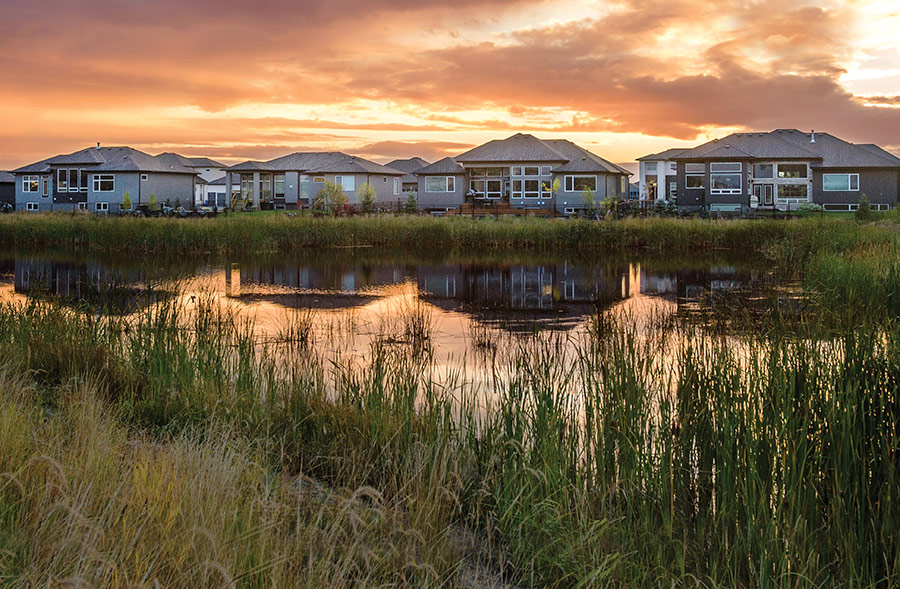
pixel 333 162
pixel 109 159
pixel 664 155
pixel 190 162
pixel 447 166
pixel 521 147
pixel 827 151
pixel 408 165
pixel 582 160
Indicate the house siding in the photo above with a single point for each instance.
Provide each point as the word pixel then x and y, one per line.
pixel 880 187
pixel 441 200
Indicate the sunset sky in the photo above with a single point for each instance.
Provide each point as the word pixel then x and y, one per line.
pixel 237 80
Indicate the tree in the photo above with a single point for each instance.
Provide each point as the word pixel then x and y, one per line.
pixel 411 205
pixel 864 212
pixel 590 204
pixel 126 201
pixel 330 199
pixel 366 195
pixel 152 201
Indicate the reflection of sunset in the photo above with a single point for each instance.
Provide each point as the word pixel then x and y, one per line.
pixel 622 79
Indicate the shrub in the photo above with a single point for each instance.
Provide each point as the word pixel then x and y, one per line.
pixel 809 207
pixel 864 212
pixel 331 199
pixel 411 206
pixel 366 195
pixel 590 204
pixel 152 201
pixel 126 201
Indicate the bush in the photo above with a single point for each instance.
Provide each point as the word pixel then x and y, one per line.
pixel 864 212
pixel 152 201
pixel 411 206
pixel 809 207
pixel 126 201
pixel 330 200
pixel 366 196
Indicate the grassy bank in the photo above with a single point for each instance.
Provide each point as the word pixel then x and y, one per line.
pixel 178 449
pixel 273 233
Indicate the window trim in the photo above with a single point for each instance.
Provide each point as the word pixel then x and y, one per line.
pixel 32 206
pixel 702 181
pixel 737 168
pixel 849 177
pixel 31 184
pixel 396 185
pixel 99 179
pixel 695 168
pixel 569 182
pixel 448 181
pixel 145 177
pixel 778 175
pixel 339 180
pixel 101 207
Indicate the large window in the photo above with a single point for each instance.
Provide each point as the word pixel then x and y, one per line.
pixel 792 171
pixel 840 182
pixel 30 183
pixel 279 186
pixel 581 183
pixel 725 178
pixel 651 167
pixel 104 182
pixel 440 184
pixel 695 181
pixel 792 190
pixel 493 172
pixel 247 186
pixel 71 180
pixel 487 188
pixel 265 187
pixel 348 183
pixel 763 170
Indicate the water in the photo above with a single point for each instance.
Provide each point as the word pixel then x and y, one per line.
pixel 460 306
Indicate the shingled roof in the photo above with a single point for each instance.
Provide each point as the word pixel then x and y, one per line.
pixel 582 160
pixel 446 167
pixel 663 155
pixel 410 166
pixel 333 162
pixel 6 178
pixel 190 162
pixel 825 151
pixel 108 159
pixel 521 147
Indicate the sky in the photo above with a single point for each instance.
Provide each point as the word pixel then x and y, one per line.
pixel 384 79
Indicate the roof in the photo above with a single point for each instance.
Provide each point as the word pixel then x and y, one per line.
pixel 109 159
pixel 520 147
pixel 219 181
pixel 582 160
pixel 663 155
pixel 191 162
pixel 334 162
pixel 6 178
pixel 410 166
pixel 826 151
pixel 446 166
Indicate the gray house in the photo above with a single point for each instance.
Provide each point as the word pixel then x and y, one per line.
pixel 520 172
pixel 97 179
pixel 7 190
pixel 409 182
pixel 207 170
pixel 293 181
pixel 782 169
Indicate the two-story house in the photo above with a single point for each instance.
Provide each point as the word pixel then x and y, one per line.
pixel 656 176
pixel 782 169
pixel 97 178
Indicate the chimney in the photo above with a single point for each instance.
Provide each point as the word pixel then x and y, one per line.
pixel 812 136
pixel 98 145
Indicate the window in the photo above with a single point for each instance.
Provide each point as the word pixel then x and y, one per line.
pixel 101 207
pixel 545 170
pixel 569 210
pixel 440 184
pixel 265 187
pixel 145 177
pixel 319 179
pixel 840 182
pixel 695 181
pixel 763 171
pixel 279 186
pixel 623 185
pixel 104 183
pixel 532 171
pixel 651 167
pixel 45 186
pixel 396 185
pixel 725 167
pixel 695 168
pixel 532 188
pixel 792 191
pixel 581 183
pixel 62 180
pixel 722 182
pixel 32 206
pixel 516 171
pixel 30 183
pixel 493 172
pixel 347 182
pixel 71 180
pixel 247 186
pixel 792 171
pixel 546 191
pixel 82 206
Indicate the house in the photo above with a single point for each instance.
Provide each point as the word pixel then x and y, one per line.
pixel 782 169
pixel 97 179
pixel 634 191
pixel 409 182
pixel 656 176
pixel 216 193
pixel 521 172
pixel 7 190
pixel 293 181
pixel 207 170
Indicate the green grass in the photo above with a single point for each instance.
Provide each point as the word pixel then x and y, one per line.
pixel 276 233
pixel 175 447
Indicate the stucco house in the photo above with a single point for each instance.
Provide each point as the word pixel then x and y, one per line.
pixel 207 170
pixel 293 181
pixel 520 171
pixel 656 176
pixel 96 179
pixel 781 169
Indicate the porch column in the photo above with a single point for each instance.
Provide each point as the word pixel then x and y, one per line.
pixel 228 176
pixel 256 186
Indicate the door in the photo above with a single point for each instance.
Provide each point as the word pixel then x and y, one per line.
pixel 764 193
